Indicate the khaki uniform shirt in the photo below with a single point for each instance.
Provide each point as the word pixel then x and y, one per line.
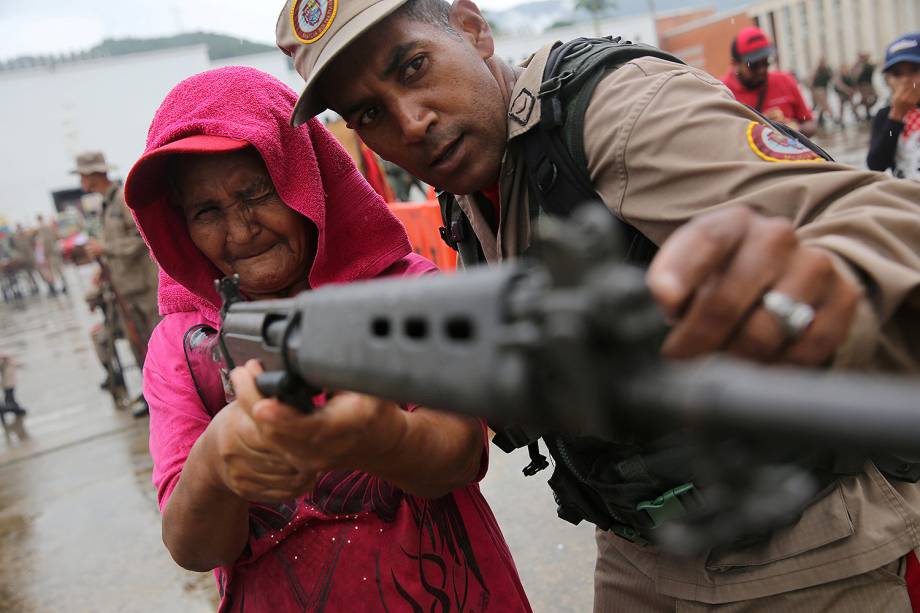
pixel 665 142
pixel 24 248
pixel 48 238
pixel 133 271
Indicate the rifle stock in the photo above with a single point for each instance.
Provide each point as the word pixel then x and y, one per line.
pixel 138 344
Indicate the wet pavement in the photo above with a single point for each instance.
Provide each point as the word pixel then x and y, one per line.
pixel 79 527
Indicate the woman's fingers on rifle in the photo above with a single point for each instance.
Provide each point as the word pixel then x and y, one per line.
pixel 243 379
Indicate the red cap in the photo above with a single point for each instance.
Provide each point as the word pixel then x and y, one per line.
pixel 147 181
pixel 751 45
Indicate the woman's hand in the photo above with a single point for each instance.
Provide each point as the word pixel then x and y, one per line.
pixel 246 463
pixel 349 431
pixel 426 453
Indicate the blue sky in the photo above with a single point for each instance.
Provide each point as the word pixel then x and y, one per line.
pixel 31 27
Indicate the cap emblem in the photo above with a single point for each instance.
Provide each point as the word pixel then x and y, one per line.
pixel 310 19
pixel 901 45
pixel 773 146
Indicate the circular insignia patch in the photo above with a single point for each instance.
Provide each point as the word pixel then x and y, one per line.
pixel 774 146
pixel 311 18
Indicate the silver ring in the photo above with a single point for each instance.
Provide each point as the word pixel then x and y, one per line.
pixel 792 315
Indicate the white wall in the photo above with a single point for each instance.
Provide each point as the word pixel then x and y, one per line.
pixel 51 114
pixel 48 115
pixel 274 63
pixel 516 48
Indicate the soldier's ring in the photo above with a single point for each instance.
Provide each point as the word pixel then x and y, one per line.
pixel 792 315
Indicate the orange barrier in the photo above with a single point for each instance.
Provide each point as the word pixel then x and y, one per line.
pixel 422 221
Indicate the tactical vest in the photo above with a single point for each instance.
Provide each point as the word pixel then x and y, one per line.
pixel 633 485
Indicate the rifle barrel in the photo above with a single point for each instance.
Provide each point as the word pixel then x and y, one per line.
pixel 866 411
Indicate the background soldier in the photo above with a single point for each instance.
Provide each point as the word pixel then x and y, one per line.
pixel 123 253
pixel 8 382
pixel 24 247
pixel 863 72
pixel 48 256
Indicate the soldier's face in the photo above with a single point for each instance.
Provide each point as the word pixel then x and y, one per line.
pixel 424 98
pixel 237 220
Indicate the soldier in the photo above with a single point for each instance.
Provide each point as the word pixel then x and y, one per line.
pixel 767 251
pixel 48 256
pixel 123 253
pixel 864 73
pixel 24 247
pixel 8 383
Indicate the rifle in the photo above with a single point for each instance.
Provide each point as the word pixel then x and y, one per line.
pixel 566 344
pixel 138 344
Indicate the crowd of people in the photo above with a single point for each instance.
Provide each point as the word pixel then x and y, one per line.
pixel 29 255
pixel 364 504
pixel 854 89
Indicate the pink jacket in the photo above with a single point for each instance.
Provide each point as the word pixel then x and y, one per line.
pixel 356 542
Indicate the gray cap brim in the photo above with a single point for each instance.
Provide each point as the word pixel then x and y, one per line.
pixel 756 56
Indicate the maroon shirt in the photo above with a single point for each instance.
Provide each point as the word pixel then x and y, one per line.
pixel 356 543
pixel 783 93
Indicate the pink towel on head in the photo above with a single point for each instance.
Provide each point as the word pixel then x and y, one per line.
pixel 358 236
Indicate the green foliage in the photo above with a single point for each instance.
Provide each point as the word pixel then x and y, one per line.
pixel 219 46
pixel 561 23
pixel 596 7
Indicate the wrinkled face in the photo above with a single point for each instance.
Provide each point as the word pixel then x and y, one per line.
pixel 752 74
pixel 237 220
pixel 424 98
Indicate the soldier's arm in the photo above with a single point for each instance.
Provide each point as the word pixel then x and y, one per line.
pixel 667 143
pixel 130 244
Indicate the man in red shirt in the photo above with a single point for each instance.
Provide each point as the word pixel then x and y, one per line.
pixel 775 94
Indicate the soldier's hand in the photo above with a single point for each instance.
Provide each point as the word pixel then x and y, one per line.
pixel 710 278
pixel 93 248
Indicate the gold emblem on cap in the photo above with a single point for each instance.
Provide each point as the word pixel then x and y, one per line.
pixel 318 14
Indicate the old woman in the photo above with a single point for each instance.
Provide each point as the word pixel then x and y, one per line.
pixel 362 505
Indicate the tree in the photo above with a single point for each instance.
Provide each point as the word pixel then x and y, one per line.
pixel 597 8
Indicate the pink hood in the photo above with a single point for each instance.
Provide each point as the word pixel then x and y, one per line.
pixel 358 236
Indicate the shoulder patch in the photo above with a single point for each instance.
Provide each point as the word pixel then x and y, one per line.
pixel 522 106
pixel 311 18
pixel 774 146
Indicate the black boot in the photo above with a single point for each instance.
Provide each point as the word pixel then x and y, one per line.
pixel 10 404
pixel 115 378
pixel 141 409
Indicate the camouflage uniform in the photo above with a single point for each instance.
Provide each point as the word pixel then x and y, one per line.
pixel 133 274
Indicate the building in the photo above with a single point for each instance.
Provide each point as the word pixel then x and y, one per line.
pixel 51 112
pixel 515 48
pixel 702 38
pixel 806 30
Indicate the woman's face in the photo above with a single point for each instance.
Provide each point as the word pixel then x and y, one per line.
pixel 237 220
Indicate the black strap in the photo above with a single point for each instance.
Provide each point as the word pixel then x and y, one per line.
pixel 554 151
pixel 761 98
